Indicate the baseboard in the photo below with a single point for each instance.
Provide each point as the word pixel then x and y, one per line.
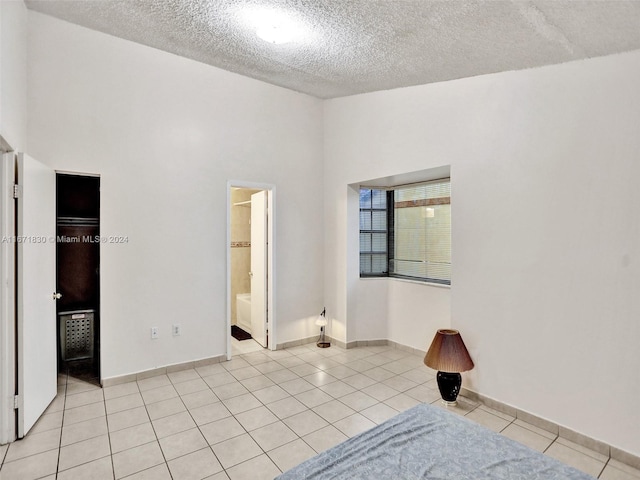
pixel 297 343
pixel 154 372
pixel 556 429
pixel 365 343
pixel 382 342
pixel 308 340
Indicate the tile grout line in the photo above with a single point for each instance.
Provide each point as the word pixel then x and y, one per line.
pixel 548 446
pixel 3 458
pixel 196 423
pixel 603 467
pixel 64 405
pixel 264 452
pixel 198 426
pixel 332 399
pixel 106 418
pixel 298 437
pixel 154 432
pixel 142 444
pixel 77 423
pixel 282 420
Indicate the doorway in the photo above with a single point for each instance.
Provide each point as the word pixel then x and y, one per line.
pixel 250 312
pixel 34 204
pixel 78 275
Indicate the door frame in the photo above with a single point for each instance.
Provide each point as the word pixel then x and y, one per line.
pixel 8 370
pixel 271 249
pixel 98 315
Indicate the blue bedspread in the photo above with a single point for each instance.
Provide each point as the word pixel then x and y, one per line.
pixel 429 443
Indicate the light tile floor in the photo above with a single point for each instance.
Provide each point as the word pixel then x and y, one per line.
pixel 245 346
pixel 250 418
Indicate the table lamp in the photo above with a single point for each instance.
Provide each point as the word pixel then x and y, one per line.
pixel 449 356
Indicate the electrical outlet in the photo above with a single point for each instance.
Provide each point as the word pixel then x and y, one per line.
pixel 177 330
pixel 154 332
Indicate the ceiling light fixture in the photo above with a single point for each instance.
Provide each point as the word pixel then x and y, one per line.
pixel 274 34
pixel 275 26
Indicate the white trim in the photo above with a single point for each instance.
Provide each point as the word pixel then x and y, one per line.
pixel 407 280
pixel 406 185
pixel 4 146
pixel 77 174
pixel 271 258
pixel 393 181
pixel 7 302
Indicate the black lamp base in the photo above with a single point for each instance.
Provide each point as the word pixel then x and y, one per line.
pixel 322 341
pixel 449 386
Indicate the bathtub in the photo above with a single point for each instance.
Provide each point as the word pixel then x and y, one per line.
pixel 243 311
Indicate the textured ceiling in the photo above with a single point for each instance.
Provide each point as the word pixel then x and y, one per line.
pixel 357 46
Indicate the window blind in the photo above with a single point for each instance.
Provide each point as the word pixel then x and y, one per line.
pixel 422 232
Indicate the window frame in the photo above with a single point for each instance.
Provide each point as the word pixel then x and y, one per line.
pixel 371 253
pixel 391 233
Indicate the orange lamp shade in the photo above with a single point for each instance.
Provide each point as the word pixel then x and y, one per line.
pixel 448 353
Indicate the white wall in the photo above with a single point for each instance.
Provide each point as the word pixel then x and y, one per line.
pixel 166 134
pixel 416 311
pixel 13 73
pixel 546 232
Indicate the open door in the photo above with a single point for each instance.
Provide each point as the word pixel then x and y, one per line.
pixel 259 267
pixel 36 281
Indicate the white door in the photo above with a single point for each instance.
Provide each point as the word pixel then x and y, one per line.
pixel 259 267
pixel 36 283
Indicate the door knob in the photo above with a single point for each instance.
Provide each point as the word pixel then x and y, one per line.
pixel 251 274
pixel 57 296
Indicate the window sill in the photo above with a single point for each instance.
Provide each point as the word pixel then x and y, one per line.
pixel 406 280
pixel 419 282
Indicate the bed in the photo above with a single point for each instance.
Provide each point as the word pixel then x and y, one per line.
pixel 429 443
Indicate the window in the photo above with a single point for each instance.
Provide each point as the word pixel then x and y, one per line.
pixel 406 232
pixel 373 233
